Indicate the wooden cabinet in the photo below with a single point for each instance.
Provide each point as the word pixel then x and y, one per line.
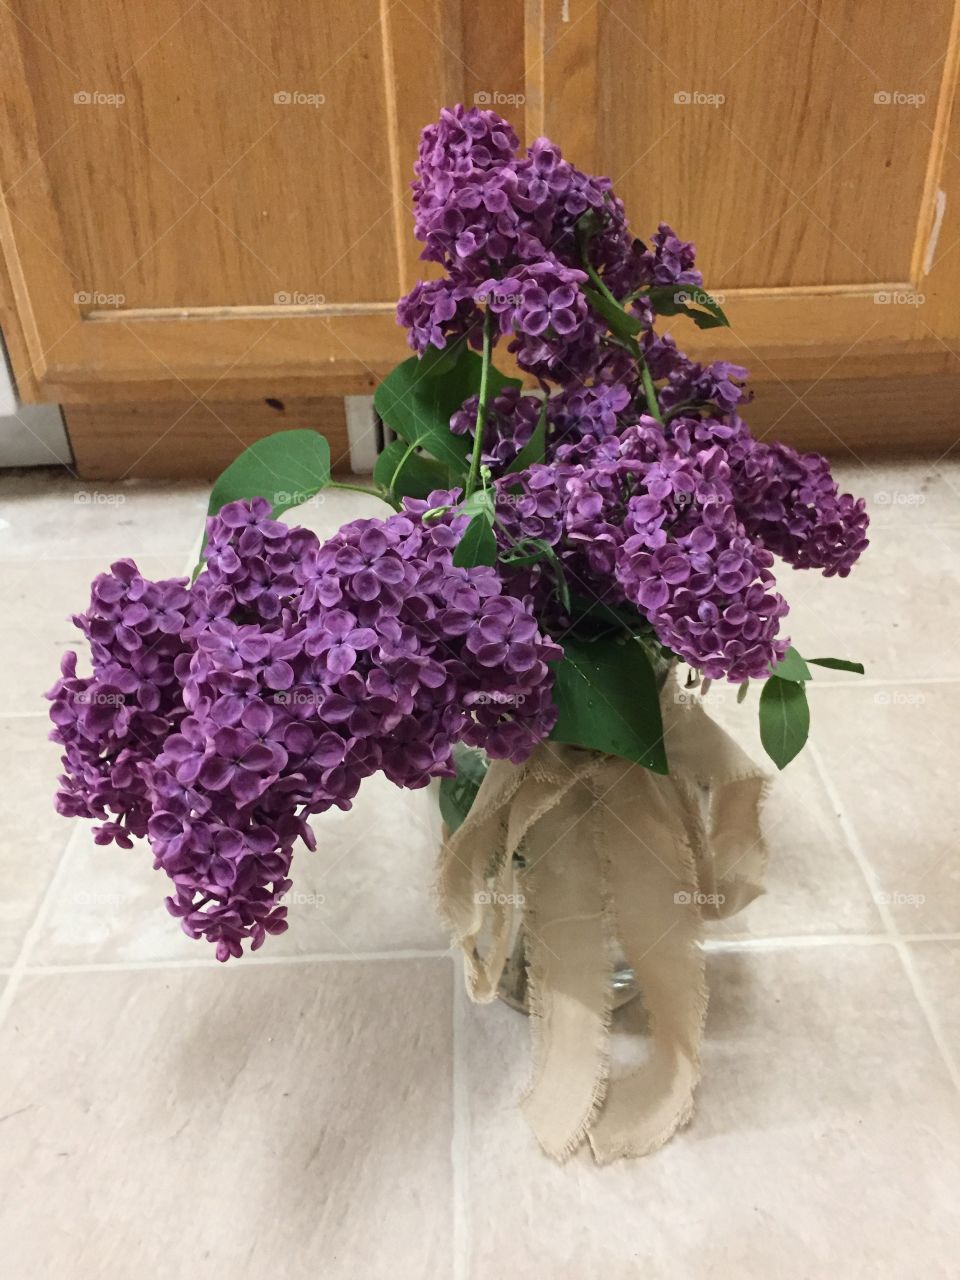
pixel 207 201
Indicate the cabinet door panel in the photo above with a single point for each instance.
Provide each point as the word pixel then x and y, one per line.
pixel 804 147
pixel 221 189
pixel 200 235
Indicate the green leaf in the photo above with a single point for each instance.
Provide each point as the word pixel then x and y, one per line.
pixel 792 667
pixel 784 719
pixel 619 321
pixel 418 403
pixel 479 503
pixel 742 691
pixel 624 617
pixel 536 447
pixel 606 694
pixel 440 360
pixel 477 546
pixel 286 468
pixel 458 794
pixel 688 300
pixel 838 664
pixel 418 474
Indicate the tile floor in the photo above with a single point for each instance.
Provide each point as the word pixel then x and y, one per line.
pixel 334 1106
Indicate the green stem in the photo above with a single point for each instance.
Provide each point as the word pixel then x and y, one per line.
pixel 649 390
pixel 598 281
pixel 400 465
pixel 474 473
pixel 356 488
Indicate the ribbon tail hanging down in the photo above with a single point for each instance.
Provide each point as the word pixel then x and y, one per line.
pixel 650 881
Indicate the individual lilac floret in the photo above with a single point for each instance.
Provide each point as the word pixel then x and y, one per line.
pixel 510 422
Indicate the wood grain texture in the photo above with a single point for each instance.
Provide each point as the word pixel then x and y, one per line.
pixel 190 439
pixel 759 133
pixel 254 247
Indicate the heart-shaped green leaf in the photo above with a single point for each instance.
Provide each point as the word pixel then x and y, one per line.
pixel 619 322
pixel 688 300
pixel 536 447
pixel 458 794
pixel 417 404
pixel 286 468
pixel 406 473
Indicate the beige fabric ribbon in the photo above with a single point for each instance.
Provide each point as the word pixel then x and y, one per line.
pixel 617 861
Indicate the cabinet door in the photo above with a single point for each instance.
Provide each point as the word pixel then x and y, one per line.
pixel 211 197
pixel 218 192
pixel 808 148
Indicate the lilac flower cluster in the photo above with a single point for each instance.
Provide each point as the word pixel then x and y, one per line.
pixel 790 503
pixel 219 716
pixel 504 228
pixel 660 499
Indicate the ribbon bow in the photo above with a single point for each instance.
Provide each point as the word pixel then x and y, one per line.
pixel 616 860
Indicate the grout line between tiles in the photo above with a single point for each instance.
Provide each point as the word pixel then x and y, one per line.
pixel 248 962
pixel 795 942
pixel 889 921
pixel 459 1137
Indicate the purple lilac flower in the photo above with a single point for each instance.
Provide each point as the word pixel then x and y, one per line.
pixel 790 503
pixel 719 384
pixel 665 525
pixel 437 311
pixel 219 716
pixel 510 422
pixel 555 334
pixel 586 422
pixel 670 260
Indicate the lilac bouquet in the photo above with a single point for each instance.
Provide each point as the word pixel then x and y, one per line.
pixel 555 543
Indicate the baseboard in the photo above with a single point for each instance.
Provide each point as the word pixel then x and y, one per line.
pixel 174 440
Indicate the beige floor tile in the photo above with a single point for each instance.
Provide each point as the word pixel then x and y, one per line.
pixel 938 964
pixel 367 887
pixel 280 1121
pixel 898 612
pixel 826 1142
pixel 891 753
pixel 39 603
pixel 906 491
pixel 48 515
pixel 32 834
pixel 814 885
